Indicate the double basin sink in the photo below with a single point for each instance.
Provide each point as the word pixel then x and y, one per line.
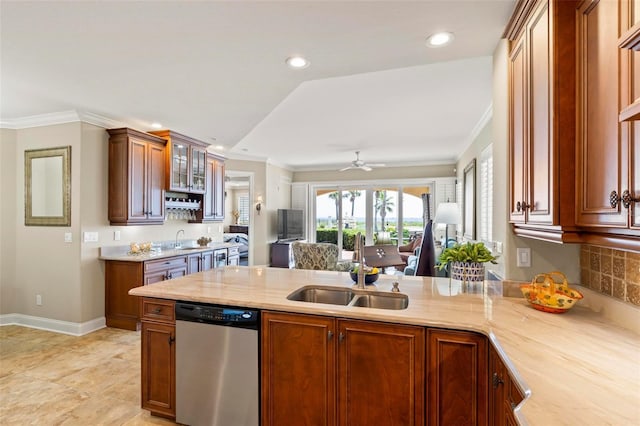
pixel 350 297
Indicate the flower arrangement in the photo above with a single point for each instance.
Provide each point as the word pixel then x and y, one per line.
pixel 236 216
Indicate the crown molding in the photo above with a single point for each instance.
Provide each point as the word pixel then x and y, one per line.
pixel 488 114
pixel 61 117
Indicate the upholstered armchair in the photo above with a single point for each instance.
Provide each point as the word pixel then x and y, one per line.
pixel 318 256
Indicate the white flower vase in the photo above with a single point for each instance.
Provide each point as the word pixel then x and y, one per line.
pixel 467 271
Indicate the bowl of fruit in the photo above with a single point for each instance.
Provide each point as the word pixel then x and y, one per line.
pixel 370 274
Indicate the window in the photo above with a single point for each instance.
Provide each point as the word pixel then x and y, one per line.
pixel 243 209
pixel 485 229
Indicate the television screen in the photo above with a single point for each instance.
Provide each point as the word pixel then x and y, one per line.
pixel 290 224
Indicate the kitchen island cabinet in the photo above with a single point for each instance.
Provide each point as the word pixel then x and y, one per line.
pixel 158 384
pixel 457 378
pixel 313 364
pixel 587 347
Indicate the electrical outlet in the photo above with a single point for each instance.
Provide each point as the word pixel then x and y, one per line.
pixel 208 229
pixel 116 235
pixel 39 299
pixel 67 237
pixel 90 237
pixel 499 247
pixel 523 257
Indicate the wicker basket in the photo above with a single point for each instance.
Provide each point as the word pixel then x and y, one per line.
pixel 547 295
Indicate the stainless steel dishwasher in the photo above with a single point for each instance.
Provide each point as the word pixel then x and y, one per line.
pixel 217 382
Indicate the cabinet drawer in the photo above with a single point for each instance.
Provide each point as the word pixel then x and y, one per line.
pixel 167 263
pixel 234 251
pixel 158 310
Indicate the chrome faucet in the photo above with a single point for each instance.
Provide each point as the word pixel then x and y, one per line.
pixel 177 244
pixel 358 253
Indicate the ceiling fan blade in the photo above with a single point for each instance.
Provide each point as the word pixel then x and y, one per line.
pixel 347 168
pixel 366 168
pixel 376 164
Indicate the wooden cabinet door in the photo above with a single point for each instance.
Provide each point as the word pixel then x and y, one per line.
pixel 517 133
pixel 155 277
pixel 602 154
pixel 193 263
pixel 218 191
pixel 456 378
pixel 155 180
pixel 541 156
pixel 298 370
pixel 497 395
pixel 206 260
pixel 137 180
pixel 158 368
pixel 380 374
pixel 121 309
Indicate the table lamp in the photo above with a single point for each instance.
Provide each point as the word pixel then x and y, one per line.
pixel 448 214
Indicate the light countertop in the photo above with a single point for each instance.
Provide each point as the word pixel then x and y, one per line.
pixel 574 368
pixel 121 253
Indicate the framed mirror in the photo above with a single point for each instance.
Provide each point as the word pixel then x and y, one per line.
pixel 469 212
pixel 47 187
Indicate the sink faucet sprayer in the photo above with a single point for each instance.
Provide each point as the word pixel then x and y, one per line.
pixel 358 254
pixel 178 245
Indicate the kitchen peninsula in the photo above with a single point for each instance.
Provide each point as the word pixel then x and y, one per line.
pixel 575 368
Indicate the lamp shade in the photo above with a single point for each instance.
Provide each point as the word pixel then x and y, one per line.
pixel 448 213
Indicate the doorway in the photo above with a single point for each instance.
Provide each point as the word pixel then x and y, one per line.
pixel 238 220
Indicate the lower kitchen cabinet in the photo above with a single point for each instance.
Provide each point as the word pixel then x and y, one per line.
pixel 158 357
pixel 457 379
pixel 315 368
pixel 380 374
pixel 123 310
pixel 504 395
pixel 298 369
pixel 199 262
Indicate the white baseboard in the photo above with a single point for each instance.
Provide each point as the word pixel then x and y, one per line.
pixel 64 327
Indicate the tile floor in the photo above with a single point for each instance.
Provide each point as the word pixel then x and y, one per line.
pixel 54 379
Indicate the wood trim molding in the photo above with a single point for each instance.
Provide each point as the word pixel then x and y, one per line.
pixel 518 18
pixel 631 39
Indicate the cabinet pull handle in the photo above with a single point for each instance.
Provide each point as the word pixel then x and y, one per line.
pixel 157 310
pixel 518 206
pixel 497 381
pixel 329 335
pixel 627 199
pixel 341 337
pixel 171 340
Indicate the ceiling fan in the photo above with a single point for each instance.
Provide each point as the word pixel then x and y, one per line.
pixel 359 164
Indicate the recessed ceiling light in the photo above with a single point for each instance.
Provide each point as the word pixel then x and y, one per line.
pixel 439 39
pixel 156 125
pixel 297 62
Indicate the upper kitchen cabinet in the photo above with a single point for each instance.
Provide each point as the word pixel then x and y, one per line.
pixel 608 184
pixel 136 177
pixel 186 162
pixel 542 120
pixel 213 203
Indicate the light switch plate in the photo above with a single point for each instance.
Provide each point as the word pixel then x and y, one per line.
pixel 67 237
pixel 523 259
pixel 116 235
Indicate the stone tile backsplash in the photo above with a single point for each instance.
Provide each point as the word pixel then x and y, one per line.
pixel 612 272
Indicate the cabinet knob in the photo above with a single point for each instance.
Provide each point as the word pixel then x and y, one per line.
pixel 496 380
pixel 157 310
pixel 614 199
pixel 627 199
pixel 329 335
pixel 522 206
pixel 171 340
pixel 341 337
pixel 525 206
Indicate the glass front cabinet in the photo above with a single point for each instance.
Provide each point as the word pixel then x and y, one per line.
pixel 187 162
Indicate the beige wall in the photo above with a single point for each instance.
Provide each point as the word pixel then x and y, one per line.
pixel 544 256
pixel 69 276
pixel 8 290
pixel 410 172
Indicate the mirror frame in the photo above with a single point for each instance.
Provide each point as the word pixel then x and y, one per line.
pixel 65 219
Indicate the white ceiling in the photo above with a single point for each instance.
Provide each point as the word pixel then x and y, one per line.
pixel 216 70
